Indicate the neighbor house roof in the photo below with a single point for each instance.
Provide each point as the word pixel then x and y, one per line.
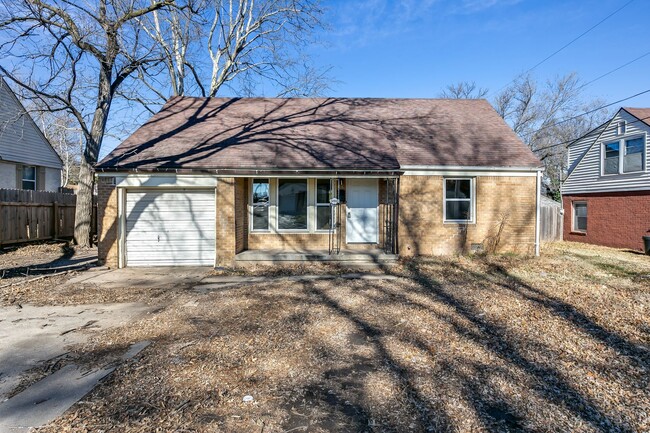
pixel 643 114
pixel 320 133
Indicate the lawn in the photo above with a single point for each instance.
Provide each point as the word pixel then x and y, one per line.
pixel 500 343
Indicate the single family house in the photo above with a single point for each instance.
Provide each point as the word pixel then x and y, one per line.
pixel 217 181
pixel 27 159
pixel 606 194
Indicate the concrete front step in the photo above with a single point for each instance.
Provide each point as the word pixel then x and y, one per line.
pixel 353 257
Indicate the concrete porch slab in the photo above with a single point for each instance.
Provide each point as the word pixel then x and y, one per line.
pixel 345 257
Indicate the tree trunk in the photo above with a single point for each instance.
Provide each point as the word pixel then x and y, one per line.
pixel 84 209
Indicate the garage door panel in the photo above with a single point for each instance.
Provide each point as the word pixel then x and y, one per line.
pixel 170 228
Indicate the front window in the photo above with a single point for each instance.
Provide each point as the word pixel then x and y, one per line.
pixel 292 204
pixel 611 158
pixel 323 207
pixel 580 217
pixel 458 200
pixel 29 178
pixel 260 205
pixel 633 160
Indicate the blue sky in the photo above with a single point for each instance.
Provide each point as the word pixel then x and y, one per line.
pixel 414 48
pixel 411 48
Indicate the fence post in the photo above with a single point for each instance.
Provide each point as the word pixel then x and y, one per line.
pixel 55 232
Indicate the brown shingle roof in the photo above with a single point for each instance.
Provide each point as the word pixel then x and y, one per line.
pixel 320 133
pixel 643 114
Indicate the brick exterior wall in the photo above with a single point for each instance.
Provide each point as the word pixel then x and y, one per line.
pixel 226 228
pixel 615 219
pixel 107 221
pixel 241 212
pixel 500 201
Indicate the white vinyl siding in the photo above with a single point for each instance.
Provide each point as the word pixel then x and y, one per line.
pixel 170 228
pixel 20 139
pixel 587 176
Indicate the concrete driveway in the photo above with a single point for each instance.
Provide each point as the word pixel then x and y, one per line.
pixel 156 277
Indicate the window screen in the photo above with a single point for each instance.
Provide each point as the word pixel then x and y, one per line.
pixel 260 204
pixel 458 199
pixel 292 204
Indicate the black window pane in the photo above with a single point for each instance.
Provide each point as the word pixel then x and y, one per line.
pixel 323 191
pixel 323 218
pixel 458 210
pixel 260 191
pixel 30 185
pixel 580 217
pixel 458 188
pixel 292 204
pixel 29 173
pixel 633 160
pixel 260 217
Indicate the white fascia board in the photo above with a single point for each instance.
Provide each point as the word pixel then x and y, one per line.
pixel 156 181
pixel 424 170
pixel 581 191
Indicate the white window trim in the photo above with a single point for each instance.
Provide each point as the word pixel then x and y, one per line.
pixel 574 229
pixel 251 205
pixel 23 180
pixel 277 206
pixel 472 198
pixel 621 155
pixel 317 205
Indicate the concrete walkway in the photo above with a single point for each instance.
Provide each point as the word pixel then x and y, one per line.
pixel 49 398
pixel 31 335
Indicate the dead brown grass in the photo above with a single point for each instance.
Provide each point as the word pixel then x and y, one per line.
pixel 557 343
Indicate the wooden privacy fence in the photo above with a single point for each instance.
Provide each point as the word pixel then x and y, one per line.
pixel 551 220
pixel 35 215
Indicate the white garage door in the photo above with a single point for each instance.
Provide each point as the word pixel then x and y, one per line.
pixel 170 228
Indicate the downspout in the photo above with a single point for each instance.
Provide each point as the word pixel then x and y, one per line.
pixel 539 205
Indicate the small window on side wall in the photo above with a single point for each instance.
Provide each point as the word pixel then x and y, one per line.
pixel 580 217
pixel 260 204
pixel 29 177
pixel 458 200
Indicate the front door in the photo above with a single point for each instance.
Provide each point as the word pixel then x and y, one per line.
pixel 362 204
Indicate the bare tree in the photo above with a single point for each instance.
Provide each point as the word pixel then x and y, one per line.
pixel 546 116
pixel 464 90
pixel 240 43
pixel 73 57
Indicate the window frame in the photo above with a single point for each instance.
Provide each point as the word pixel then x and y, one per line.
pixel 23 180
pixel 277 206
pixel 622 148
pixel 251 226
pixel 472 200
pixel 575 229
pixel 317 205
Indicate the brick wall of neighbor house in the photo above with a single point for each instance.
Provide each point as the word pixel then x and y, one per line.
pixel 614 219
pixel 226 233
pixel 500 200
pixel 107 221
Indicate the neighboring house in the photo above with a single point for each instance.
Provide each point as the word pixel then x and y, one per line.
pixel 606 195
pixel 27 159
pixel 207 181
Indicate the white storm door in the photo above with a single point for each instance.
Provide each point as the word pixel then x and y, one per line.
pixel 362 204
pixel 170 228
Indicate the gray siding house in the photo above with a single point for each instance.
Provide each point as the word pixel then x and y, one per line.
pixel 27 159
pixel 606 195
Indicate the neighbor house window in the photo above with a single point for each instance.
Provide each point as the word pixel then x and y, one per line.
pixel 29 177
pixel 633 159
pixel 624 156
pixel 612 153
pixel 580 217
pixel 292 204
pixel 260 204
pixel 323 207
pixel 458 200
